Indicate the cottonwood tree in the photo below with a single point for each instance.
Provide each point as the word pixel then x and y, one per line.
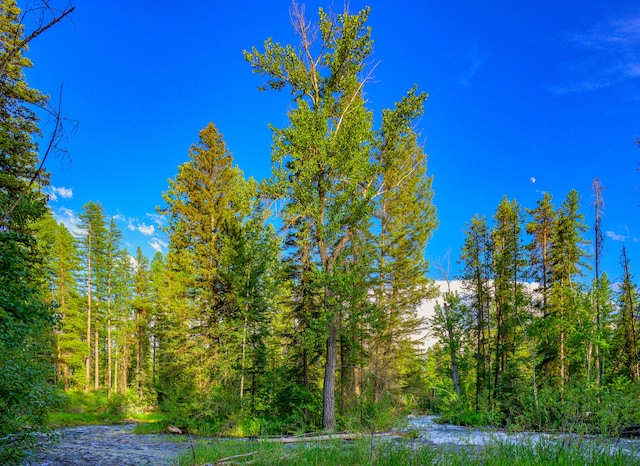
pixel 327 163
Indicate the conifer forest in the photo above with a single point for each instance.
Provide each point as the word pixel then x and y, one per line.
pixel 292 302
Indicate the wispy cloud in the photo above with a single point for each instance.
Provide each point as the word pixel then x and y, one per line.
pixel 622 237
pixel 68 218
pixel 146 230
pixel 615 236
pixel 158 244
pixel 472 62
pixel 134 224
pixel 55 192
pixel 608 53
pixel 157 219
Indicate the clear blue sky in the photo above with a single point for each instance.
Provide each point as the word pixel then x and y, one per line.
pixel 525 97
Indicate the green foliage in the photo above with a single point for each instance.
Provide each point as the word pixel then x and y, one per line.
pixel 339 180
pixel 96 407
pixel 26 313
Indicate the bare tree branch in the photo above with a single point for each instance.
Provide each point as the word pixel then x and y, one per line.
pixel 20 45
pixel 53 140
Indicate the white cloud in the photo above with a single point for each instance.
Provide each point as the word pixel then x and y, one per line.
pixel 607 54
pixel 68 218
pixel 54 192
pixel 533 180
pixel 146 230
pixel 157 244
pixel 615 236
pixel 134 224
pixel 157 219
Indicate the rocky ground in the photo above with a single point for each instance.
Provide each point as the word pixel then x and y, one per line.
pixel 108 445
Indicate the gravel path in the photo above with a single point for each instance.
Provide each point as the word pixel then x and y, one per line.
pixel 115 445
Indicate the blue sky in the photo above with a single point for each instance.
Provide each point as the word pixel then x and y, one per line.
pixel 525 97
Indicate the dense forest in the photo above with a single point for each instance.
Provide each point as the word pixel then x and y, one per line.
pixel 291 302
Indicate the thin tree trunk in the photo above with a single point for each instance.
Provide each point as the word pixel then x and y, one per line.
pixel 115 370
pixel 125 366
pixel 328 389
pixel 109 362
pixel 96 375
pixel 139 358
pixel 244 352
pixel 88 358
pixel 109 358
pixel 455 376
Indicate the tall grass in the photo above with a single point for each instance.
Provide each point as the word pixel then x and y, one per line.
pixel 79 408
pixel 368 451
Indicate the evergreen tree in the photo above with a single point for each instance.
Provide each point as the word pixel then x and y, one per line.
pixel 93 243
pixel 62 264
pixel 207 199
pixel 543 218
pixel 567 256
pixel 407 219
pixel 112 253
pixel 477 274
pixel 141 304
pixel 25 317
pixel 157 273
pixel 625 347
pixel 124 330
pixel 511 300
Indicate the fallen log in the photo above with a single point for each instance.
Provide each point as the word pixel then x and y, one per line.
pixel 322 438
pixel 174 430
pixel 630 432
pixel 228 459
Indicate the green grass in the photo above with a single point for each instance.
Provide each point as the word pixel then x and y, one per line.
pixel 366 452
pixel 79 408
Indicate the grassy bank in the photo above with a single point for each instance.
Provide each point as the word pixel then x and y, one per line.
pixel 79 408
pixel 368 452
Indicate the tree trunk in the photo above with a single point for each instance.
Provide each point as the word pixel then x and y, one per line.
pixel 328 389
pixel 125 366
pixel 244 352
pixel 139 358
pixel 455 376
pixel 115 370
pixel 109 362
pixel 96 375
pixel 88 358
